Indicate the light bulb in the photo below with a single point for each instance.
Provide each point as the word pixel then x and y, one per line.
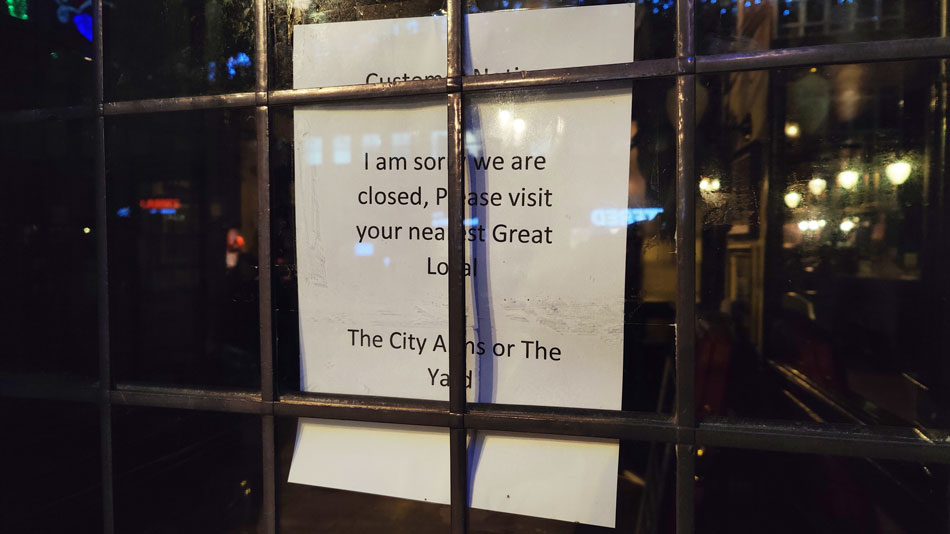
pixel 848 179
pixel 793 199
pixel 846 225
pixel 898 172
pixel 792 130
pixel 817 186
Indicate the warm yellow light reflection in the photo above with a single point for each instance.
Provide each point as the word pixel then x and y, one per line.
pixel 504 116
pixel 848 179
pixel 792 130
pixel 519 125
pixel 817 186
pixel 847 225
pixel 898 172
pixel 793 199
pixel 812 226
pixel 708 185
pixel 86 230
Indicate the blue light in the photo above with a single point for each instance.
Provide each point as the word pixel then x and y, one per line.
pixel 748 4
pixel 83 23
pixel 786 12
pixel 613 217
pixel 153 211
pixel 712 1
pixel 167 211
pixel 241 60
pixel 470 222
pixel 363 249
pixel 722 11
pixel 123 212
pixel 504 3
pixel 212 70
pixel 655 11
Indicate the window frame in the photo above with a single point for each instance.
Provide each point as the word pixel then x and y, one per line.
pixel 681 428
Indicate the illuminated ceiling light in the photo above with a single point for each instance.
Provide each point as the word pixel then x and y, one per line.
pixel 793 199
pixel 848 179
pixel 519 125
pixel 708 185
pixel 504 116
pixel 803 225
pixel 792 130
pixel 846 225
pixel 898 172
pixel 817 186
pixel 86 230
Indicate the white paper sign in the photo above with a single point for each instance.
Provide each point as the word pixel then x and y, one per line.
pixel 545 292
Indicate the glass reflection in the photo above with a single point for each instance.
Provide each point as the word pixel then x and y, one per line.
pixel 823 262
pixel 747 25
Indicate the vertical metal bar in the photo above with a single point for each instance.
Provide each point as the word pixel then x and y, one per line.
pixel 685 270
pixel 268 521
pixel 456 260
pixel 454 19
pixel 263 254
pixel 102 282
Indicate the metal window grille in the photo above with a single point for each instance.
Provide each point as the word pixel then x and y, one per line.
pixel 681 429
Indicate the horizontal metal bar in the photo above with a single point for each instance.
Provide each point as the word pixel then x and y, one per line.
pixel 568 421
pixel 36 115
pixel 357 92
pixel 896 50
pixel 188 103
pixel 189 399
pixel 41 387
pixel 374 409
pixel 595 73
pixel 877 51
pixel 814 438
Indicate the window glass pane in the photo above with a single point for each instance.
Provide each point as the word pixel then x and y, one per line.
pixel 47 54
pixel 169 48
pixel 822 254
pixel 305 508
pixel 182 214
pixel 286 15
pixel 50 464
pixel 740 491
pixel 725 26
pixel 48 235
pixel 574 268
pixel 637 476
pixel 357 217
pixel 654 31
pixel 186 471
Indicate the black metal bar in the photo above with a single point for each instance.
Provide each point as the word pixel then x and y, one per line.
pixel 456 256
pixel 102 282
pixel 357 92
pixel 373 409
pixel 268 521
pixel 562 76
pixel 189 399
pixel 897 50
pixel 815 438
pixel 185 103
pixel 264 255
pixel 684 415
pixel 572 422
pixel 685 484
